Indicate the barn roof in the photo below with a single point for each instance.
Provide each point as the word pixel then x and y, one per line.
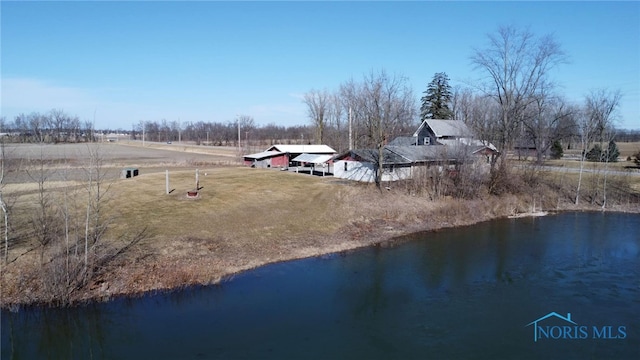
pixel 263 155
pixel 302 149
pixel 312 158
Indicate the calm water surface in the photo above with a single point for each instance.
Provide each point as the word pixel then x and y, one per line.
pixel 465 293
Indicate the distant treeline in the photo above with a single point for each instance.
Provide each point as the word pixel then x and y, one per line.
pixel 57 126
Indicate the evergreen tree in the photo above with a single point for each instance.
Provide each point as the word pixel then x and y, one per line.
pixel 599 155
pixel 556 150
pixel 595 154
pixel 612 151
pixel 435 102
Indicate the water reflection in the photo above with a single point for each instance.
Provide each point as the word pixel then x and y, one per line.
pixel 459 293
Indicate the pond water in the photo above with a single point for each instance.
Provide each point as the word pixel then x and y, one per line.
pixel 478 292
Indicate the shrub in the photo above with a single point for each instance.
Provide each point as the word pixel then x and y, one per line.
pixel 556 150
pixel 597 154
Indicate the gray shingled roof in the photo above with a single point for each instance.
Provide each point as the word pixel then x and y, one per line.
pixel 445 128
pixel 418 154
pixel 404 141
pixel 388 157
pixel 400 155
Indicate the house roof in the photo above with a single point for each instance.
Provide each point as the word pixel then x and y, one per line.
pixel 262 155
pixel 312 158
pixel 443 128
pixel 475 144
pixel 418 154
pixel 404 141
pixel 401 155
pixel 302 149
pixel 371 155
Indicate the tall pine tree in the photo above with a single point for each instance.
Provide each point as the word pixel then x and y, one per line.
pixel 435 102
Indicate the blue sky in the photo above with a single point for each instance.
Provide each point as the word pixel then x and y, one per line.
pixel 210 61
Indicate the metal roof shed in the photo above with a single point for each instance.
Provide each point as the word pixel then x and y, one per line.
pixel 312 158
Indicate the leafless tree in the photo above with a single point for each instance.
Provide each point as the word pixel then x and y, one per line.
pixel 587 130
pixel 44 220
pixel 461 103
pixel 601 107
pixel 318 106
pixel 3 203
pixel 386 105
pixel 517 66
pixel 96 221
pixel 548 119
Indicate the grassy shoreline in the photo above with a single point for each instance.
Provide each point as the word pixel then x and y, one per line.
pixel 199 261
pixel 244 218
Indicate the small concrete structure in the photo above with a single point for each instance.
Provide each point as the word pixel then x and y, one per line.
pixel 129 173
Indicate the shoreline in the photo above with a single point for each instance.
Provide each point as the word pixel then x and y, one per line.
pixel 384 235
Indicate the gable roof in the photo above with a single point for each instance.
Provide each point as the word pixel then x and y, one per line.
pixel 474 144
pixel 443 128
pixel 425 154
pixel 371 155
pixel 402 154
pixel 263 155
pixel 404 141
pixel 301 149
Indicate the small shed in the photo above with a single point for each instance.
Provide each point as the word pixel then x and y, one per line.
pixel 267 159
pixel 129 173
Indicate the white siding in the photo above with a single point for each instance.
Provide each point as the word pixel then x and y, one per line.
pixel 365 171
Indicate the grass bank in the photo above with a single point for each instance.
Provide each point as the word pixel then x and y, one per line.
pixel 243 218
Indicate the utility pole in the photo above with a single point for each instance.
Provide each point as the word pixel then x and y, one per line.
pixel 350 131
pixel 238 121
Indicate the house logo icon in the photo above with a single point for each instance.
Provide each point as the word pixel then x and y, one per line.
pixel 549 315
pixel 561 327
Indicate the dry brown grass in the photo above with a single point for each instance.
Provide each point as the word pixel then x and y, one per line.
pixel 243 218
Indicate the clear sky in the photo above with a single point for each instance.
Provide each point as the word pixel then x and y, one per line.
pixel 209 61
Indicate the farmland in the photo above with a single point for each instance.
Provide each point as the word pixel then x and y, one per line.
pixel 240 219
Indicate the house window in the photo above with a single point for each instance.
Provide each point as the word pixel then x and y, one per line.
pixel 345 166
pixel 427 140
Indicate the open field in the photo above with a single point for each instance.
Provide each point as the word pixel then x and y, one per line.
pixel 69 161
pixel 242 217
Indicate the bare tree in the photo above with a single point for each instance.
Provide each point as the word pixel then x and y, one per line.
pixel 549 119
pixel 461 103
pixel 601 107
pixel 3 203
pixel 387 107
pixel 587 130
pixel 318 107
pixel 44 220
pixel 517 66
pixel 95 221
pixel 246 124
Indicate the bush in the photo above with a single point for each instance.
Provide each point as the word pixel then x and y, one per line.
pixel 598 155
pixel 556 150
pixel 595 154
